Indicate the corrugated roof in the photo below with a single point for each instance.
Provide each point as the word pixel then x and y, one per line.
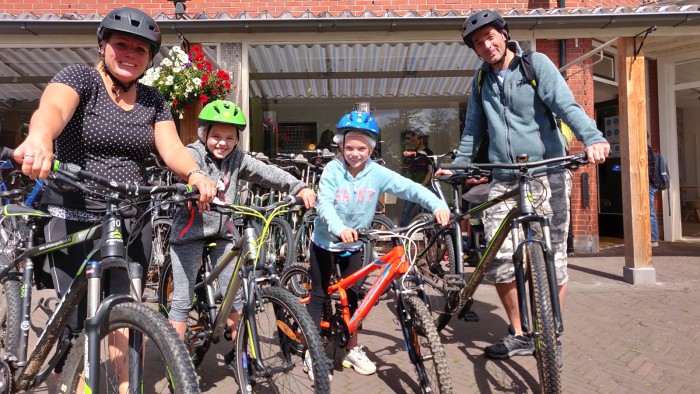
pixel 329 70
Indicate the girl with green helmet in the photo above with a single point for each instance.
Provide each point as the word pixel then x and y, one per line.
pixel 222 161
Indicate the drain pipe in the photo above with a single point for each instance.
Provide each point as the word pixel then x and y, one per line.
pixel 562 43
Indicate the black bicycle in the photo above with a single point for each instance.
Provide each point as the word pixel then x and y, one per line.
pixel 533 258
pixel 275 330
pixel 124 343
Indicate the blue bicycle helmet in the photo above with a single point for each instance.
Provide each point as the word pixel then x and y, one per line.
pixel 357 121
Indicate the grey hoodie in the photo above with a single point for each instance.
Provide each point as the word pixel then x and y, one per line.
pixel 190 224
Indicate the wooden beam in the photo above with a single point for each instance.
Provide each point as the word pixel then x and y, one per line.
pixel 635 178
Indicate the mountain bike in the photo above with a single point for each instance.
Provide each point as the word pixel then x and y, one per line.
pixel 396 271
pixel 146 337
pixel 533 258
pixel 275 330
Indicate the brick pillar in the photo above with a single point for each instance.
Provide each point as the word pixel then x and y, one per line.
pixel 584 220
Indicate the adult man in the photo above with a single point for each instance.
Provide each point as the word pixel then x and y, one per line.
pixel 516 117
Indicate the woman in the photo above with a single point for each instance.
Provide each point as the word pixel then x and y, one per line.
pixel 103 120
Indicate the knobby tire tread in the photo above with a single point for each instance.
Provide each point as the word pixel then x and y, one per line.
pixel 543 321
pixel 424 326
pixel 153 326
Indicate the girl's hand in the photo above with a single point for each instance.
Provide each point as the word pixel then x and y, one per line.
pixel 442 216
pixel 308 196
pixel 348 236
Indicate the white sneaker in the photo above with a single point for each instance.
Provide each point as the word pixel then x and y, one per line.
pixel 357 360
pixel 309 368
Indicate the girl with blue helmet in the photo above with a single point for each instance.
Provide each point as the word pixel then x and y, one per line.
pixel 349 190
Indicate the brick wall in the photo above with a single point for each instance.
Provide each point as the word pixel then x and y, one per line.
pixel 297 7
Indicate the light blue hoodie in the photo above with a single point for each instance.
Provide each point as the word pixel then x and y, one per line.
pixel 344 201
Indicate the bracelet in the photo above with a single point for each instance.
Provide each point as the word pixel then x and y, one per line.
pixel 195 171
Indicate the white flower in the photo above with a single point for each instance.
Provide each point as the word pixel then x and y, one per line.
pixel 166 62
pixel 169 80
pixel 196 81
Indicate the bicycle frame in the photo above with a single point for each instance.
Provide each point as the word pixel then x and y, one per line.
pixel 33 194
pixel 392 264
pixel 520 216
pixel 86 280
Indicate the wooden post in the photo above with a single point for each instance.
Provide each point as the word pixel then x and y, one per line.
pixel 635 178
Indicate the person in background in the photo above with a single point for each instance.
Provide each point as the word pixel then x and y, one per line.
pixel 103 120
pixel 653 221
pixel 349 189
pixel 418 168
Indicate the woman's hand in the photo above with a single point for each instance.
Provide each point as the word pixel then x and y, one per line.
pixel 442 216
pixel 348 236
pixel 308 196
pixel 207 190
pixel 36 156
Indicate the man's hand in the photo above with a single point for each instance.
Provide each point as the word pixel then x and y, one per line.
pixel 597 152
pixel 442 216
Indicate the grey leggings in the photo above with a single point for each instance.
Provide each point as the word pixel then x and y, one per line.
pixel 186 259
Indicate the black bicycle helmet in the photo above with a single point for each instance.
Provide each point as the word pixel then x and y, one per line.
pixel 131 21
pixel 480 19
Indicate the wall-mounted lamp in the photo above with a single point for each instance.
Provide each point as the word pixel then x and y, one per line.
pixel 180 8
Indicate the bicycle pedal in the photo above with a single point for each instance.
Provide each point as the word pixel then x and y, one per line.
pixel 454 280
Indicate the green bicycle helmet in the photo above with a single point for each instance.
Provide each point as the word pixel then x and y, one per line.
pixel 221 112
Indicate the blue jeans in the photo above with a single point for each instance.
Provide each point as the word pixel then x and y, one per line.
pixel 652 215
pixel 406 214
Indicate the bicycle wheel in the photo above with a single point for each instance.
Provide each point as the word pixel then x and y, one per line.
pixel 285 331
pixel 9 310
pixel 277 250
pixel 543 326
pixel 425 349
pixel 437 261
pixel 297 279
pixel 160 251
pixel 158 363
pixel 302 238
pixel 197 339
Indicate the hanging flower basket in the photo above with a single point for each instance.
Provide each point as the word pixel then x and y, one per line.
pixel 187 79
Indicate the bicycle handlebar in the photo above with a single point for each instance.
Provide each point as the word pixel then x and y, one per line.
pixel 571 162
pixel 73 174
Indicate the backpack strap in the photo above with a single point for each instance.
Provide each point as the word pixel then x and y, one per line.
pixel 529 73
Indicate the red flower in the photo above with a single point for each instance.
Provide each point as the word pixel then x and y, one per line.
pixel 205 78
pixel 222 74
pixel 197 49
pixel 203 98
pixel 214 92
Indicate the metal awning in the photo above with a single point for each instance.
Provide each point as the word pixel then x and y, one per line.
pixel 335 69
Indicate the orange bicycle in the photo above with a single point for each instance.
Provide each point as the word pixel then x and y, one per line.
pixel 396 271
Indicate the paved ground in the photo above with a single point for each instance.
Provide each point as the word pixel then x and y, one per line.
pixel 618 338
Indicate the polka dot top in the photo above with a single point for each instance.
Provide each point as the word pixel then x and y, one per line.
pixel 104 138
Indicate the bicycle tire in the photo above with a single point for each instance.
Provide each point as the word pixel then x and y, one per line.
pixel 302 238
pixel 160 250
pixel 426 350
pixel 433 267
pixel 161 347
pixel 543 326
pixel 198 316
pixel 297 280
pixel 277 248
pixel 9 310
pixel 285 333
